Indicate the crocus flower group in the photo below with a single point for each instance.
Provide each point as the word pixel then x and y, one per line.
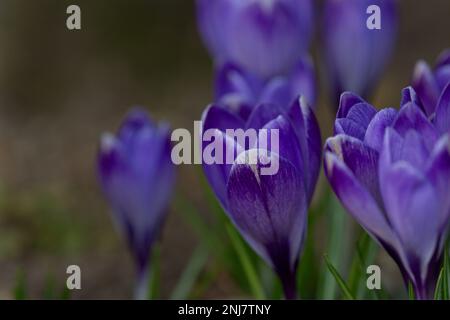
pixel 137 176
pixel 389 168
pixel 391 171
pixel 270 211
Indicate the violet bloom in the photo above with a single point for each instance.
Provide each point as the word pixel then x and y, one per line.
pixel 355 55
pixel 429 84
pixel 137 176
pixel 270 211
pixel 266 37
pixel 391 171
pixel 240 90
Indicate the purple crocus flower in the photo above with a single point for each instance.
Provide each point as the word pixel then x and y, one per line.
pixel 240 90
pixel 137 176
pixel 430 84
pixel 270 211
pixel 391 171
pixel 355 55
pixel 266 37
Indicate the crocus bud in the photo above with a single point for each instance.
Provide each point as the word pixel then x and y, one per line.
pixel 240 91
pixel 430 83
pixel 355 54
pixel 137 175
pixel 391 171
pixel 266 37
pixel 269 210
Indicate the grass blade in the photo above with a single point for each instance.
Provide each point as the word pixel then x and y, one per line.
pixel 187 280
pixel 445 275
pixel 20 290
pixel 339 279
pixel 411 294
pixel 336 247
pixel 248 267
pixel 438 290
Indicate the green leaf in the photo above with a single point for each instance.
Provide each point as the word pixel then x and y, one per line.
pixel 49 288
pixel 411 294
pixel 154 274
pixel 249 269
pixel 337 246
pixel 445 275
pixel 193 218
pixel 20 290
pixel 309 266
pixel 438 290
pixel 366 250
pixel 339 280
pixel 187 280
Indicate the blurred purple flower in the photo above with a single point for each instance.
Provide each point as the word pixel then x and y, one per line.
pixel 391 171
pixel 430 84
pixel 137 177
pixel 266 37
pixel 356 56
pixel 270 211
pixel 240 90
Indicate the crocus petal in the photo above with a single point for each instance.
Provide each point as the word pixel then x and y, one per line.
pixel 262 114
pixel 213 17
pixel 307 128
pixel 356 120
pixel 438 173
pixel 355 55
pixel 270 210
pixel 220 120
pixel 412 205
pixel 346 102
pixel 426 87
pixel 375 131
pixel 356 199
pixel 232 80
pixel 303 81
pixel 442 117
pixel 442 76
pixel 215 117
pixel 277 91
pixel 217 173
pixel 361 160
pixel 443 59
pixel 410 117
pixel 287 145
pixel 410 95
pixel 267 38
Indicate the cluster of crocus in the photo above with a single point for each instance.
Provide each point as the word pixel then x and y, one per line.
pixel 259 49
pixel 355 55
pixel 430 84
pixel 137 176
pixel 266 37
pixel 270 211
pixel 391 171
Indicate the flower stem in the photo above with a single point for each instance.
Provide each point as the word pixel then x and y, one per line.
pixel 420 292
pixel 289 287
pixel 141 291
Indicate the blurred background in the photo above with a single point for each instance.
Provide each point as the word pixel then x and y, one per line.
pixel 60 90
